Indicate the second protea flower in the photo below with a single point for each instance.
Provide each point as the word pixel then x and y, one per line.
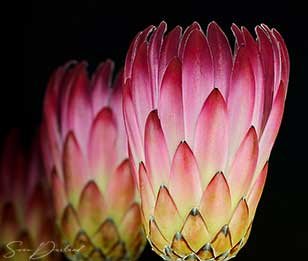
pixel 85 151
pixel 201 122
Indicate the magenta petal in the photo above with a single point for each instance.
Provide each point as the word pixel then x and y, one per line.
pixel 51 122
pixel 277 58
pixel 141 91
pixel 186 34
pixel 131 53
pixel 198 80
pixel 243 166
pixel 185 183
pixel 155 45
pixel 100 85
pixel 211 140
pixel 170 106
pixel 79 112
pixel 222 58
pixel 256 64
pixel 240 41
pixel 156 152
pixel 242 89
pixel 169 50
pixel 267 57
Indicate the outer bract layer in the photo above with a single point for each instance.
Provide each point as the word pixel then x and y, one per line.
pixel 85 152
pixel 202 121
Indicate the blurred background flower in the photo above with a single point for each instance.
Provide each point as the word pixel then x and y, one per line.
pixel 85 154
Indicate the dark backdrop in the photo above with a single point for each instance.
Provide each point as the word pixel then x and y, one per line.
pixel 56 31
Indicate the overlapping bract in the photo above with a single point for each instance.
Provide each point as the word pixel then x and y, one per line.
pixel 26 210
pixel 202 121
pixel 93 188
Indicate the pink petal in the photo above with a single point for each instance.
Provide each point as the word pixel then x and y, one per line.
pixel 116 104
pixel 132 127
pixel 141 86
pixel 240 41
pixel 215 205
pixel 211 139
pixel 255 60
pixel 121 191
pixel 185 184
pixel 155 45
pixel 79 108
pixel 131 53
pixel 241 99
pixel 101 152
pixel 285 70
pixel 272 127
pixel 243 166
pixel 51 120
pixel 91 208
pixel 48 161
pixel 256 192
pixel 156 152
pixel 75 175
pixel 100 84
pixel 71 73
pixel 239 222
pixel 169 50
pixel 222 58
pixel 146 194
pixel 166 214
pixel 198 79
pixel 170 106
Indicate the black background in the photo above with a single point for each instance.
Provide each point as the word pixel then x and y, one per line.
pixel 57 31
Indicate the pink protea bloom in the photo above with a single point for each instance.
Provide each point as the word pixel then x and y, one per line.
pixel 201 122
pixel 85 152
pixel 26 210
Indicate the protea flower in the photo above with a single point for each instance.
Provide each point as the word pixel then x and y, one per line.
pixel 201 122
pixel 26 212
pixel 94 191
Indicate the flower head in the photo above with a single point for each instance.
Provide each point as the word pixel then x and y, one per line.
pixel 202 121
pixel 93 188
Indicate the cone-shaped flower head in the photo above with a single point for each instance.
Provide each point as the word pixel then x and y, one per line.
pixel 26 209
pixel 202 121
pixel 93 188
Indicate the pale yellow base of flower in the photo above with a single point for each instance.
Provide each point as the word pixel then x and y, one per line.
pixel 179 249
